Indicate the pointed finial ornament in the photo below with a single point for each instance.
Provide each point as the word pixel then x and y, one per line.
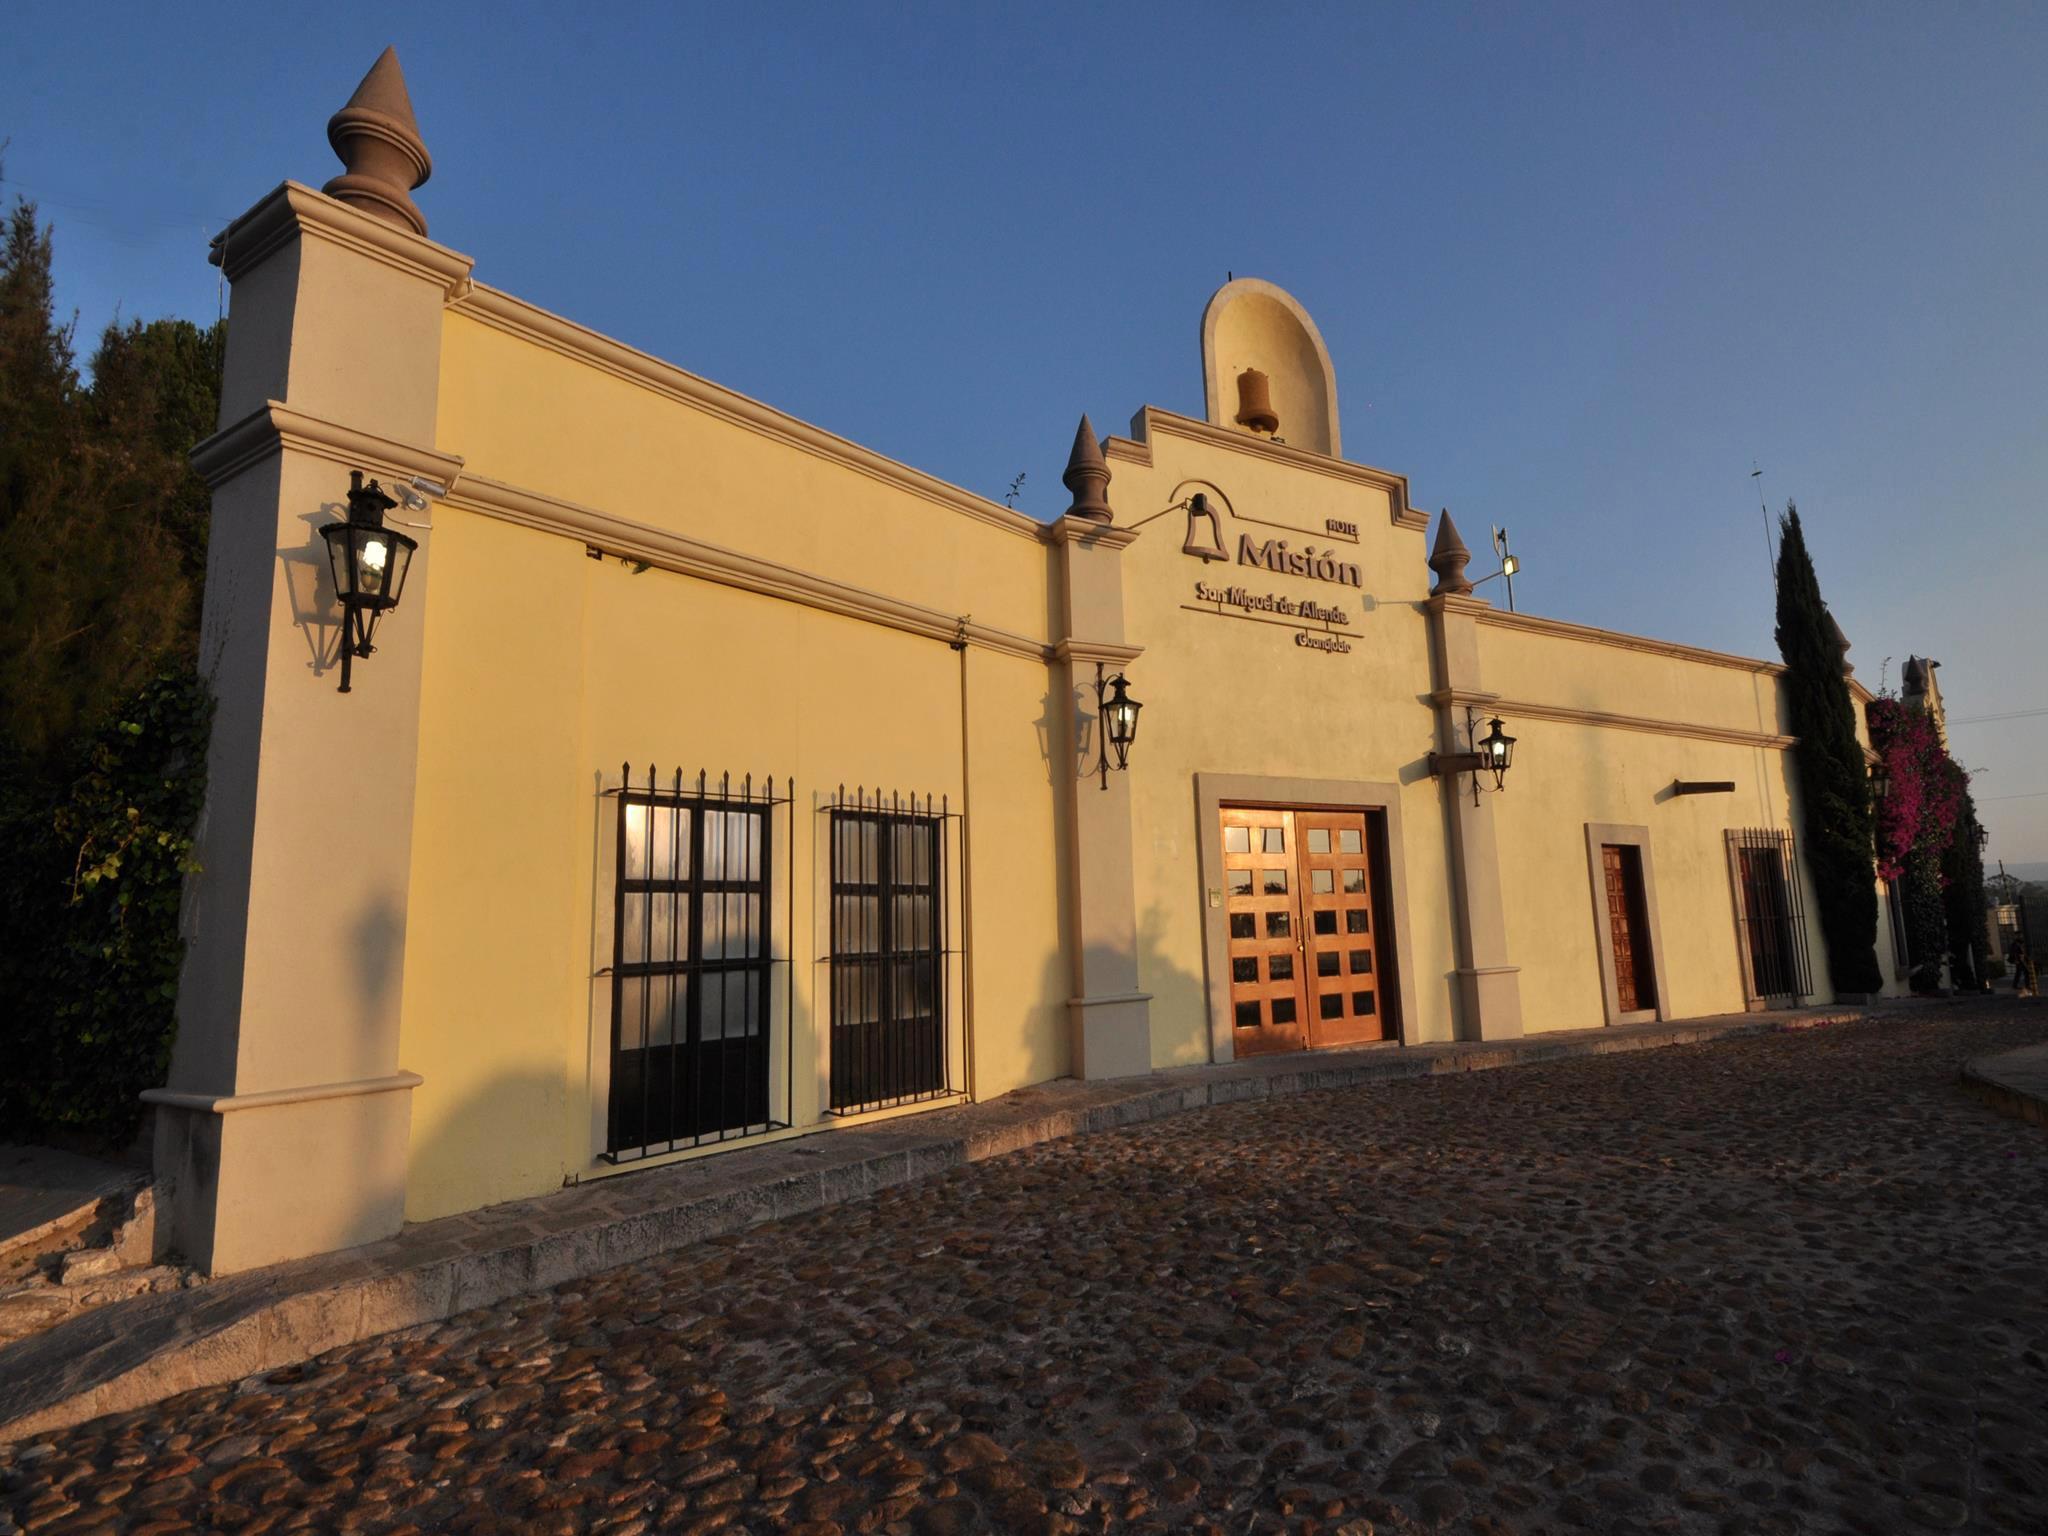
pixel 382 155
pixel 1841 641
pixel 1087 476
pixel 1448 558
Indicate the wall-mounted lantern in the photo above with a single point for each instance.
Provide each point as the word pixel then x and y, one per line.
pixel 1983 837
pixel 1880 779
pixel 1492 753
pixel 1116 717
pixel 370 562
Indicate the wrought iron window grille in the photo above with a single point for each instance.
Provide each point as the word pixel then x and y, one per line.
pixel 1770 913
pixel 888 960
pixel 695 1036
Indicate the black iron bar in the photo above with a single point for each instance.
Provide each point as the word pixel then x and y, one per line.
pixel 647 955
pixel 612 1096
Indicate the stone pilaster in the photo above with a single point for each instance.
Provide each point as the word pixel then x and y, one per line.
pixel 1489 986
pixel 1110 1018
pixel 283 1128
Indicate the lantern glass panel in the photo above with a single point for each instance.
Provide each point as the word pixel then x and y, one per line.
pixel 399 563
pixel 340 560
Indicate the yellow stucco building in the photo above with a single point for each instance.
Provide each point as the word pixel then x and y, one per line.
pixel 714 778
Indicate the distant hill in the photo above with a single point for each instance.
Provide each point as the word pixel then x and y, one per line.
pixel 2023 871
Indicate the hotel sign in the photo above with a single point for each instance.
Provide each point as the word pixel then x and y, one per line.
pixel 1281 558
pixel 1274 555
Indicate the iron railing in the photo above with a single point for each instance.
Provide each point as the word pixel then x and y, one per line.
pixel 1770 912
pixel 695 1039
pixel 889 965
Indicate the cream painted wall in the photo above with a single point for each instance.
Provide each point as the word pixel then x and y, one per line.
pixel 528 415
pixel 1569 775
pixel 1522 663
pixel 545 669
pixel 1235 695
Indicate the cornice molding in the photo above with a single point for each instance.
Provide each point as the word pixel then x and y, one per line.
pixel 1128 450
pixel 275 426
pixel 670 551
pixel 1562 630
pixel 228 1103
pixel 501 311
pixel 1456 602
pixel 1569 715
pixel 1091 534
pixel 1110 653
pixel 1151 419
pixel 293 210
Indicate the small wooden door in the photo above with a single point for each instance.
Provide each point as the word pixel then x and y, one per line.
pixel 1340 954
pixel 1635 978
pixel 1261 897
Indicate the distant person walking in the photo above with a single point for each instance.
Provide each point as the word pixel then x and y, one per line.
pixel 2024 982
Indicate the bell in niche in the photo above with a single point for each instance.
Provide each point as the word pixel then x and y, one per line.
pixel 1199 513
pixel 1255 403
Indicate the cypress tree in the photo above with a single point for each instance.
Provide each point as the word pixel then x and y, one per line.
pixel 1834 788
pixel 1962 865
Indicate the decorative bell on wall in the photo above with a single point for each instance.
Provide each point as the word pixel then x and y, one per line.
pixel 1255 403
pixel 1203 545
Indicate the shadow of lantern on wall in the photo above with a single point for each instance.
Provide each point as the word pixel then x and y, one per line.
pixel 1492 753
pixel 369 562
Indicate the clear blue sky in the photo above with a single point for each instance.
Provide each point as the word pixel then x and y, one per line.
pixel 1579 267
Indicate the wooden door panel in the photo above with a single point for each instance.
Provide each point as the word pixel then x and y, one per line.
pixel 1262 901
pixel 1618 929
pixel 1340 948
pixel 1635 983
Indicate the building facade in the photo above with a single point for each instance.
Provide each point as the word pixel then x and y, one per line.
pixel 715 779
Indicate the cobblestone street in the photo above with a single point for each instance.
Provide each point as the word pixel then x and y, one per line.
pixel 1790 1283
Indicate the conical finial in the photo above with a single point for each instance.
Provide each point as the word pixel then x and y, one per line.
pixel 1448 558
pixel 382 155
pixel 1835 634
pixel 1087 476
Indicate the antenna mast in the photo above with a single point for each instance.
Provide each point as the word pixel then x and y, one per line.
pixel 1770 550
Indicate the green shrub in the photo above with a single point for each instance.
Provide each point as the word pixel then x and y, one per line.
pixel 92 871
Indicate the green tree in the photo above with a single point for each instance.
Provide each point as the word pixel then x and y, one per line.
pixel 103 718
pixel 155 393
pixel 102 522
pixel 1970 959
pixel 38 381
pixel 1834 787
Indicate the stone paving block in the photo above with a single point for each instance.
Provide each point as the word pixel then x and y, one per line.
pixel 486 1278
pixel 1618 1294
pixel 405 1298
pixel 484 1258
pixel 298 1327
pixel 222 1354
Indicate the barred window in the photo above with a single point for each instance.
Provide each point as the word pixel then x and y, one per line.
pixel 690 965
pixel 888 957
pixel 1764 868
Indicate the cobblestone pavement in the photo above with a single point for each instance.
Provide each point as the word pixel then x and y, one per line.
pixel 1795 1283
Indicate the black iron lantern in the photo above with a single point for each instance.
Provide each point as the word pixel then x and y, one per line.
pixel 1492 753
pixel 1497 752
pixel 1116 714
pixel 369 563
pixel 1983 837
pixel 1880 779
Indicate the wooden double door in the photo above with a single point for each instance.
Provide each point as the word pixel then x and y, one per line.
pixel 1299 893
